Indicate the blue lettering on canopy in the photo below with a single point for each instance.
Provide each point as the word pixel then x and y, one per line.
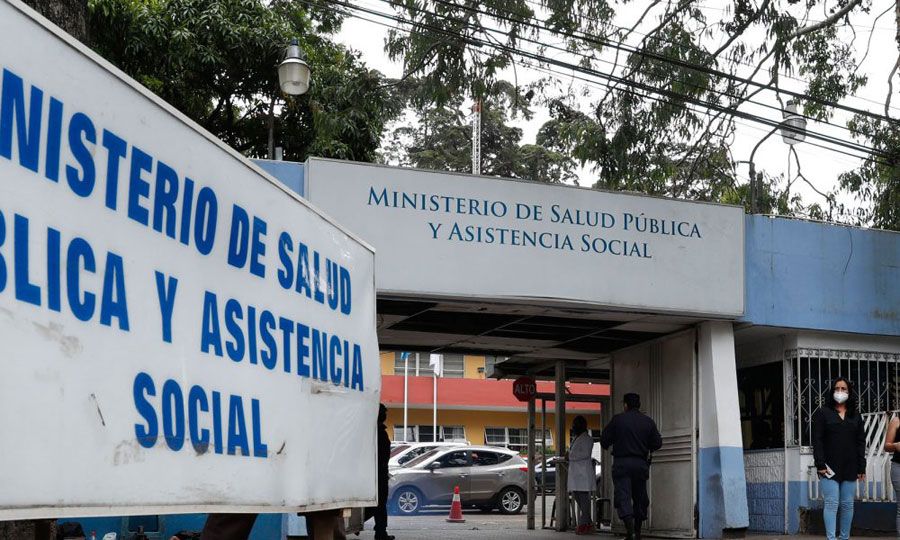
pixel 3 274
pixel 81 182
pixel 28 129
pixel 197 402
pixel 25 290
pixel 54 140
pixel 143 387
pixel 113 301
pixel 173 414
pixel 237 427
pixel 80 250
pixel 211 335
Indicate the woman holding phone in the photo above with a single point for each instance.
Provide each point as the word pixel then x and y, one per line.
pixel 839 448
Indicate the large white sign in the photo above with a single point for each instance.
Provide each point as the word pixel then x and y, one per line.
pixel 465 236
pixel 179 332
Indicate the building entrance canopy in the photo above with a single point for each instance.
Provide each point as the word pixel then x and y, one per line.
pixel 463 237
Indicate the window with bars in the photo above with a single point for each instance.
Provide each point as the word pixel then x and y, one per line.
pixel 513 438
pixel 454 366
pixel 426 434
pixel 809 374
pixel 419 366
pixel 410 434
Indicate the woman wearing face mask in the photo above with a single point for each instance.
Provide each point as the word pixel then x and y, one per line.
pixel 839 448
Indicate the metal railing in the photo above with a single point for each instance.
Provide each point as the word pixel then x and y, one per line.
pixel 809 374
pixel 877 487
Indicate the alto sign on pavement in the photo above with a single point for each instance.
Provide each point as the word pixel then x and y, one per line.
pixel 470 237
pixel 524 388
pixel 180 332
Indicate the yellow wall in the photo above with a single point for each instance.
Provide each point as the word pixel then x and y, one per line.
pixel 387 363
pixel 475 422
pixel 471 365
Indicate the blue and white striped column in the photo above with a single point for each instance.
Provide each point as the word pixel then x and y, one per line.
pixel 722 485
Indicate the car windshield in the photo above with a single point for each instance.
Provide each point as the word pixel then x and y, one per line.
pixel 397 449
pixel 421 459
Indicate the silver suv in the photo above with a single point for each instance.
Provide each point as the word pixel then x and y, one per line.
pixel 487 478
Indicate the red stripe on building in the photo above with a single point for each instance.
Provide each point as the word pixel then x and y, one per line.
pixel 476 393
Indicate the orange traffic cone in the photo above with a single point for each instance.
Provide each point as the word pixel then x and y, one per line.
pixel 456 508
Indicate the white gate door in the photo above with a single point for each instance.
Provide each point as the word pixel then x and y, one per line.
pixel 664 374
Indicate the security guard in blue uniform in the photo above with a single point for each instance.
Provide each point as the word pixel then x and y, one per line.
pixel 633 436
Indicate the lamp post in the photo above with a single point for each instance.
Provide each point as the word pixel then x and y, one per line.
pixel 293 78
pixel 793 131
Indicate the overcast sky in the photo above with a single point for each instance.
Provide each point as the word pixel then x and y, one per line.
pixel 819 165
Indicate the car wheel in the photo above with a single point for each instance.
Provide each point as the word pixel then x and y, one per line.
pixel 408 501
pixel 510 501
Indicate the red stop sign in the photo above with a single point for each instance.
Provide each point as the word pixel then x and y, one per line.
pixel 524 388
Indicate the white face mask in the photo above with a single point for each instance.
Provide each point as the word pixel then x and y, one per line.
pixel 841 397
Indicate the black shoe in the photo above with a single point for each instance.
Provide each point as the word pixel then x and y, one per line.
pixel 637 529
pixel 629 528
pixel 384 537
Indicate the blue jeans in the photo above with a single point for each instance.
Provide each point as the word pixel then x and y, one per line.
pixel 837 495
pixel 895 480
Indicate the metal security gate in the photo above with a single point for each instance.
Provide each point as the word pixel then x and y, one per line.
pixel 664 373
pixel 809 374
pixel 878 486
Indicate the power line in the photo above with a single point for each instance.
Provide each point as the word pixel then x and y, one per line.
pixel 592 58
pixel 865 150
pixel 642 86
pixel 671 94
pixel 701 49
pixel 627 48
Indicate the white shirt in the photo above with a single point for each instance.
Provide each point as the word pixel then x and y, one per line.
pixel 581 464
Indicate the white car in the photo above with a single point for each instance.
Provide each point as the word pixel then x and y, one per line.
pixel 406 452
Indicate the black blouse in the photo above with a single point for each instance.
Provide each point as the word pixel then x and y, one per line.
pixel 841 444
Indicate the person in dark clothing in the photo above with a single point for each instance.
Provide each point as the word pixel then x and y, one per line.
pixel 384 455
pixel 839 449
pixel 321 525
pixel 633 436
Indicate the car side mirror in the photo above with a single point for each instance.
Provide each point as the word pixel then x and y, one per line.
pixel 433 465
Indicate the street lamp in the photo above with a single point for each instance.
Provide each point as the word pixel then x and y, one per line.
pixel 293 78
pixel 293 72
pixel 793 131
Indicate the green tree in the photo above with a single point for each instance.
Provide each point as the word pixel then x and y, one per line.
pixel 650 131
pixel 440 138
pixel 215 61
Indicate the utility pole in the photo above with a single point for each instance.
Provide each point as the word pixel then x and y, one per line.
pixel 476 137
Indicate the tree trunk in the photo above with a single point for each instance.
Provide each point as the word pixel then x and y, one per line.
pixel 70 15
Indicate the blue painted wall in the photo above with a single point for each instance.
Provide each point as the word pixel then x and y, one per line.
pixel 809 275
pixel 267 526
pixel 722 497
pixel 291 173
pixel 765 502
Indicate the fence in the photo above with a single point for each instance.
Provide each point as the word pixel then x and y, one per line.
pixel 877 487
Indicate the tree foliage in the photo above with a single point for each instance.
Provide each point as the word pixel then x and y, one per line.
pixel 216 60
pixel 440 138
pixel 675 139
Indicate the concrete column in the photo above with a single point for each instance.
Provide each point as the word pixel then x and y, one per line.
pixel 721 479
pixel 562 439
